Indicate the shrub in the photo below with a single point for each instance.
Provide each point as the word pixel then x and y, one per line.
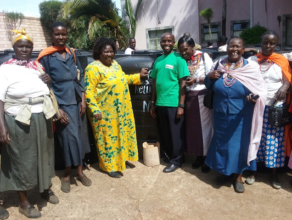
pixel 49 11
pixel 253 35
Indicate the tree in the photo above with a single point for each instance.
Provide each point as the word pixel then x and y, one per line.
pixel 100 15
pixel 132 17
pixel 207 14
pixel 49 11
pixel 12 20
pixel 224 13
pixel 253 35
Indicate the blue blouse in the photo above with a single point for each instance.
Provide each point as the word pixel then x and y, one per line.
pixel 67 88
pixel 232 99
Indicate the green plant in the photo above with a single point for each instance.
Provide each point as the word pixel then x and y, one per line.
pixel 132 17
pixel 49 11
pixel 207 14
pixel 101 20
pixel 12 20
pixel 253 35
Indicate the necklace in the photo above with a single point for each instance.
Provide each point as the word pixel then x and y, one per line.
pixel 193 64
pixel 230 80
pixel 264 69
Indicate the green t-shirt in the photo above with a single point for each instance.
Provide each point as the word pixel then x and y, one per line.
pixel 167 71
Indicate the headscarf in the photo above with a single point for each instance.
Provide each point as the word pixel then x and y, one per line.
pixel 250 77
pixel 20 34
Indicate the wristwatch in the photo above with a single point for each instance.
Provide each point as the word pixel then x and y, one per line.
pixel 181 105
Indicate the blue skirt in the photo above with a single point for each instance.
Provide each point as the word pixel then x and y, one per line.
pixel 70 136
pixel 230 142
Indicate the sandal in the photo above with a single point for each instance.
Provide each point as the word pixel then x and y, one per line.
pixel 65 185
pixel 50 197
pixel 4 214
pixel 250 180
pixel 30 212
pixel 238 187
pixel 84 180
pixel 114 174
pixel 129 165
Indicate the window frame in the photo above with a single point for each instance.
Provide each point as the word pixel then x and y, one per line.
pixel 284 23
pixel 237 22
pixel 218 24
pixel 156 29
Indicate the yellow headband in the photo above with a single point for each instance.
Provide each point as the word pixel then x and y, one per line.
pixel 20 35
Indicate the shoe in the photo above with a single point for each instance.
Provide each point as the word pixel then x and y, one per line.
pixel 129 165
pixel 238 187
pixel 50 197
pixel 222 179
pixel 276 185
pixel 170 168
pixel 250 180
pixel 205 168
pixel 4 214
pixel 30 212
pixel 65 185
pixel 198 162
pixel 84 180
pixel 115 174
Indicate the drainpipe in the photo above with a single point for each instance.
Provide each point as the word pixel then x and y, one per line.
pixel 250 13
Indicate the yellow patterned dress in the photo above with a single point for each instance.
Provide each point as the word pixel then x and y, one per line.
pixel 107 92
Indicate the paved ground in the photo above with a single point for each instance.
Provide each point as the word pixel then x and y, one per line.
pixel 148 193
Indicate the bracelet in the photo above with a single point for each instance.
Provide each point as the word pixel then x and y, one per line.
pixel 181 105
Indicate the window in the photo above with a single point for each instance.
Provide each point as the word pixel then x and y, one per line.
pixel 288 31
pixel 153 37
pixel 238 26
pixel 215 32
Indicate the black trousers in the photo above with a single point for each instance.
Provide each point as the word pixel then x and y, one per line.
pixel 172 133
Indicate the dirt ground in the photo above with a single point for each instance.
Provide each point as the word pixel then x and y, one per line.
pixel 148 193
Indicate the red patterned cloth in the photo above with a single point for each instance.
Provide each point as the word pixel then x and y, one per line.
pixel 27 63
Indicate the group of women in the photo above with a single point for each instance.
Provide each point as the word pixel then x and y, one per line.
pixel 244 90
pixel 229 139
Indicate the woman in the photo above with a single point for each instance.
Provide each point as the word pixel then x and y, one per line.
pixel 68 85
pixel 198 118
pixel 276 72
pixel 110 109
pixel 26 131
pixel 237 120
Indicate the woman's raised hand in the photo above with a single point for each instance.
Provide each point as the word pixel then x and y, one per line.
pixel 98 116
pixel 144 72
pixel 215 75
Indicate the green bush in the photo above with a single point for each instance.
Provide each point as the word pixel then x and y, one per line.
pixel 253 35
pixel 49 11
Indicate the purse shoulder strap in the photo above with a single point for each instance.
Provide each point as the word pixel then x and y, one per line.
pixel 39 67
pixel 216 66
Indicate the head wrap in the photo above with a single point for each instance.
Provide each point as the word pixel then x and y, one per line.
pixel 20 34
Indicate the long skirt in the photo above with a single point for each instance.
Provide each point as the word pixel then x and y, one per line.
pixel 28 160
pixel 229 146
pixel 84 136
pixel 199 123
pixel 70 137
pixel 272 146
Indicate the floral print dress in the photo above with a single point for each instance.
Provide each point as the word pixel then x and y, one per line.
pixel 107 92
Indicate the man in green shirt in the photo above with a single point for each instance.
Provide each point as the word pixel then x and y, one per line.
pixel 168 95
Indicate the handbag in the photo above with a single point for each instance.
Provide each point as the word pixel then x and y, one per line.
pixel 208 98
pixel 279 116
pixel 57 116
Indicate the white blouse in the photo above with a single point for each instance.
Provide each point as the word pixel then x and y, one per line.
pixel 21 82
pixel 202 71
pixel 274 80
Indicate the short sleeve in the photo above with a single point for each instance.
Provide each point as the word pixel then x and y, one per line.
pixel 153 73
pixel 183 70
pixel 4 83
